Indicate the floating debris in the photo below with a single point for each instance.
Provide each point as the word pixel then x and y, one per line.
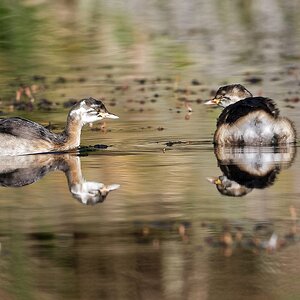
pixel 275 79
pixel 44 104
pixel 23 105
pixel 100 146
pixel 293 99
pixel 188 107
pixel 141 80
pixel 60 80
pixel 170 144
pixel 181 91
pixel 253 80
pixel 195 82
pixel 38 78
pixel 24 90
pixel 70 103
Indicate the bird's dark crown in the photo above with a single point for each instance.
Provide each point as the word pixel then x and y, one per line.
pixel 230 94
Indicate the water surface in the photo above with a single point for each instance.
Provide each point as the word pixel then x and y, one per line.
pixel 140 219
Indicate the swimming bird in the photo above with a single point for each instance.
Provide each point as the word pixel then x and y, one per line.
pixel 247 120
pixel 247 168
pixel 20 136
pixel 22 170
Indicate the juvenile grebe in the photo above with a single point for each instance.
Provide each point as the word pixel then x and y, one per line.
pixel 22 170
pixel 248 120
pixel 19 136
pixel 247 168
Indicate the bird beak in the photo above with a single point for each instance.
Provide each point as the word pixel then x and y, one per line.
pixel 109 115
pixel 214 101
pixel 112 187
pixel 214 180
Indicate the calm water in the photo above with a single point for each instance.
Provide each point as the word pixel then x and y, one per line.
pixel 141 218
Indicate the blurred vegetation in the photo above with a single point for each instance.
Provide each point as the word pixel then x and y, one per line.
pixel 123 31
pixel 19 28
pixel 168 52
pixel 19 270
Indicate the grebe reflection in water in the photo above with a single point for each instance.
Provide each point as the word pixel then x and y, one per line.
pixel 248 168
pixel 18 171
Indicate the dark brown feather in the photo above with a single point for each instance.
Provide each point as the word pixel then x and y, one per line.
pixel 243 107
pixel 23 128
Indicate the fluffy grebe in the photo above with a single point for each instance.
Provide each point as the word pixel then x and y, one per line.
pixel 247 168
pixel 22 170
pixel 19 136
pixel 248 120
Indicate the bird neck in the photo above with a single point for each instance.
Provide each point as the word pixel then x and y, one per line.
pixel 72 169
pixel 72 132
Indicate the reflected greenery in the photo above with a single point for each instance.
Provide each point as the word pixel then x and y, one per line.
pixel 170 53
pixel 19 269
pixel 123 31
pixel 130 260
pixel 18 35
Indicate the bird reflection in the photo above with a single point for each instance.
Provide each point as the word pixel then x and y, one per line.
pixel 18 171
pixel 248 168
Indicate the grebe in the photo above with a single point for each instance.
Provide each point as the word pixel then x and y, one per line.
pixel 22 170
pixel 248 120
pixel 247 168
pixel 19 136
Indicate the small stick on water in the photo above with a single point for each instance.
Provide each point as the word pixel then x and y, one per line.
pixel 28 93
pixel 188 106
pixel 19 93
pixel 103 126
pixel 293 213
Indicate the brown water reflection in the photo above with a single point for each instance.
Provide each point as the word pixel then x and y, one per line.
pixel 18 171
pixel 247 168
pixel 161 234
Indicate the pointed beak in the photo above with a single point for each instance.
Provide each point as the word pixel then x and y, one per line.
pixel 113 187
pixel 214 101
pixel 109 115
pixel 214 180
pixel 106 189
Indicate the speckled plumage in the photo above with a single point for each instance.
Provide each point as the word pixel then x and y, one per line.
pixel 239 109
pixel 247 168
pixel 20 136
pixel 26 129
pixel 248 120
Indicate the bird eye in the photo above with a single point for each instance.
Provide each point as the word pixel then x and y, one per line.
pixel 92 111
pixel 225 97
